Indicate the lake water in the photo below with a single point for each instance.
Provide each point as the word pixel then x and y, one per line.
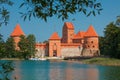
pixel 63 70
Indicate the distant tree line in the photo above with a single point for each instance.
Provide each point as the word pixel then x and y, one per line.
pixel 110 42
pixel 26 45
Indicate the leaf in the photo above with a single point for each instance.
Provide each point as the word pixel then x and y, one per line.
pixel 29 16
pixel 21 5
pixel 25 17
pixel 98 12
pixel 89 13
pixel 34 14
pixel 20 13
pixel 84 11
pixel 94 13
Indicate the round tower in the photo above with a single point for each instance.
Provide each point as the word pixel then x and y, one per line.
pixel 17 32
pixel 91 43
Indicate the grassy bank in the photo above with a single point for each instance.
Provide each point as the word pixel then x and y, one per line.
pixel 103 61
pixel 11 59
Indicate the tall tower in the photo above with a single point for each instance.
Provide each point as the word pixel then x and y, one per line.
pixel 91 42
pixel 54 45
pixel 17 32
pixel 67 32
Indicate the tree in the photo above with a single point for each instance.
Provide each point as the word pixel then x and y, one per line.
pixel 2 47
pixel 31 44
pixel 111 41
pixel 10 48
pixel 61 8
pixel 27 46
pixel 43 9
pixel 102 46
pixel 4 11
pixel 23 44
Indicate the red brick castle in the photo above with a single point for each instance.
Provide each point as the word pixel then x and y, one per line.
pixel 69 45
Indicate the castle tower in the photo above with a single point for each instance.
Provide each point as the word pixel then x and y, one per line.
pixel 91 42
pixel 54 45
pixel 17 32
pixel 67 32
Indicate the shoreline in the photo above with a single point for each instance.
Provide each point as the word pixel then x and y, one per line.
pixel 92 61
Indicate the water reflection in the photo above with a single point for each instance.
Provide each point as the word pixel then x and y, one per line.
pixel 17 71
pixel 61 70
pixel 112 73
pixel 72 71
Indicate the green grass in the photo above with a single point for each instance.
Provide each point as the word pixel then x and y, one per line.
pixel 103 61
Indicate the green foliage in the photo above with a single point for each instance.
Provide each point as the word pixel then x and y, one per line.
pixel 103 61
pixel 5 69
pixel 2 47
pixel 27 46
pixel 110 43
pixel 10 48
pixel 31 44
pixel 4 12
pixel 23 44
pixel 61 8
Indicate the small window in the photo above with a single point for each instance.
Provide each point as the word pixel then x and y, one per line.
pixel 91 41
pixel 93 46
pixel 88 46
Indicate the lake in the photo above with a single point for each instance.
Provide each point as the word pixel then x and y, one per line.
pixel 62 70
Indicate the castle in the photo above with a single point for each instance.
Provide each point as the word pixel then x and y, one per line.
pixel 69 45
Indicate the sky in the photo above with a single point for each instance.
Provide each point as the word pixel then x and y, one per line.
pixel 43 30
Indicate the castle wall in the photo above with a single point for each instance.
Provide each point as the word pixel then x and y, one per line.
pixel 91 43
pixel 71 50
pixel 41 49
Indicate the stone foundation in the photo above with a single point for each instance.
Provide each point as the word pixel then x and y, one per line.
pixel 90 52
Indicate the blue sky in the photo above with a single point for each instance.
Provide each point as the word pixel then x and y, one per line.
pixel 43 30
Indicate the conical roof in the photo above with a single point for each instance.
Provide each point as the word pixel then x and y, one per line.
pixel 17 31
pixel 91 32
pixel 54 36
pixel 69 25
pixel 79 35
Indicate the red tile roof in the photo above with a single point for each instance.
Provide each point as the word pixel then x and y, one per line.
pixel 54 36
pixel 17 31
pixel 79 35
pixel 69 25
pixel 91 32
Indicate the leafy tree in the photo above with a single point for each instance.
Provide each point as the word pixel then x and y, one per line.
pixel 44 9
pixel 31 44
pixel 27 46
pixel 10 48
pixel 23 44
pixel 61 8
pixel 2 47
pixel 111 41
pixel 4 12
pixel 101 45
